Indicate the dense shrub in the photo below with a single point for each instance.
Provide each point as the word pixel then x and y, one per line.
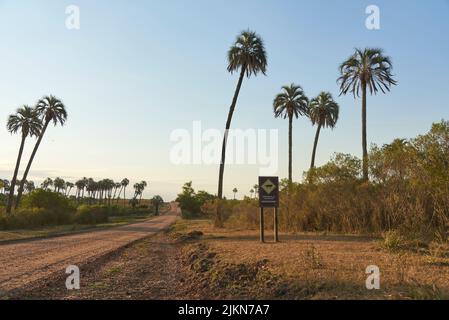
pixel 91 214
pixel 191 202
pixel 408 194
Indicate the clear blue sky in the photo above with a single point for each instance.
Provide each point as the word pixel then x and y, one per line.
pixel 139 69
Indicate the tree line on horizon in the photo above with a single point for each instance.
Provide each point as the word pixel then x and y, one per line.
pixel 86 189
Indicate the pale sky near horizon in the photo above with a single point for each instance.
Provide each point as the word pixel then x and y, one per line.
pixel 137 70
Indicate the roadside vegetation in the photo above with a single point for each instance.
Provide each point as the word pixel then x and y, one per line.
pixel 405 201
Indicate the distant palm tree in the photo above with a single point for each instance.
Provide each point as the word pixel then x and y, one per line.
pixel 80 185
pixel 323 112
pixel 367 68
pixel 143 185
pixel 58 184
pixel 117 187
pixel 292 102
pixel 247 55
pixel 52 110
pixel 26 121
pixel 29 186
pixel 46 184
pixel 251 192
pixel 68 187
pixel 235 192
pixel 125 183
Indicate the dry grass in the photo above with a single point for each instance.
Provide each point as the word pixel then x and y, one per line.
pixel 316 266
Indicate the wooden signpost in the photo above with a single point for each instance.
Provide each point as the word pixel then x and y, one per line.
pixel 269 198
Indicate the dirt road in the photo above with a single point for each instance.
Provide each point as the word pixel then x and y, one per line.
pixel 24 263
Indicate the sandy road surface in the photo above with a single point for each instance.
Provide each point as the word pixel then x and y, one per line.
pixel 24 263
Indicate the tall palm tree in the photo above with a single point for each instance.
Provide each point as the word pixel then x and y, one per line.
pixel 367 68
pixel 290 103
pixel 248 55
pixel 26 121
pixel 323 112
pixel 52 110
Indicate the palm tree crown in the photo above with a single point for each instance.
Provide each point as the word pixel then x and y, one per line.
pixel 52 109
pixel 324 111
pixel 368 67
pixel 292 102
pixel 25 120
pixel 248 52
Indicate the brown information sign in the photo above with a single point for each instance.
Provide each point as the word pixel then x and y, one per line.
pixel 269 192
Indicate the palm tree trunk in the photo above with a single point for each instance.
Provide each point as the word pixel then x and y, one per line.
pixel 119 193
pixel 317 136
pixel 27 170
pixel 14 179
pixel 364 143
pixel 290 147
pixel 124 196
pixel 219 221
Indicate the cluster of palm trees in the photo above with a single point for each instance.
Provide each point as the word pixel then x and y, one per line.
pixel 366 69
pixel 105 190
pixel 323 111
pixel 32 122
pixel 5 186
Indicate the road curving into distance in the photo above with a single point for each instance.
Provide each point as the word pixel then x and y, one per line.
pixel 29 261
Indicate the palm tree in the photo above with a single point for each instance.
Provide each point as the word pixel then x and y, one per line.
pixel 235 192
pixel 26 121
pixel 125 183
pixel 139 190
pixel 292 102
pixel 46 184
pixel 247 55
pixel 68 186
pixel 323 111
pixel 52 110
pixel 80 186
pixel 251 192
pixel 367 68
pixel 59 184
pixel 117 187
pixel 29 186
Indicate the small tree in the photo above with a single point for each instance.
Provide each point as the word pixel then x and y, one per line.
pixel 157 201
